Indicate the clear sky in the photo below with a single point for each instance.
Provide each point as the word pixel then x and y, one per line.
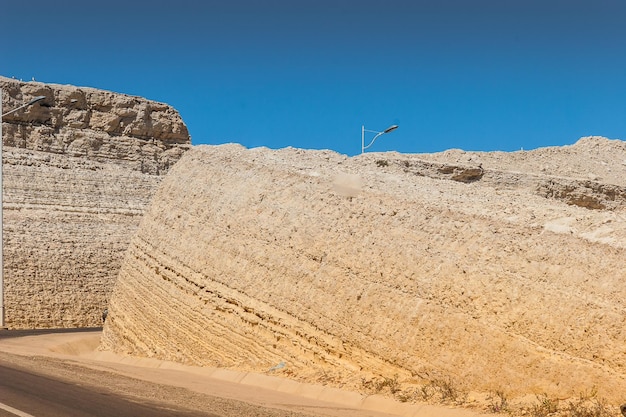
pixel 469 74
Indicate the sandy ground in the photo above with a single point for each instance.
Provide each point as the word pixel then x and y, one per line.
pixel 75 356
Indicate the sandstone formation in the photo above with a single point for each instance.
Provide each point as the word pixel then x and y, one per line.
pixel 491 270
pixel 79 168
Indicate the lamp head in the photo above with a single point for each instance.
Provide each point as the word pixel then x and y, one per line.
pixel 36 99
pixel 390 128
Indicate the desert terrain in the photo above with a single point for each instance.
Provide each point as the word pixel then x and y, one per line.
pixel 458 277
pixel 80 167
pixel 451 283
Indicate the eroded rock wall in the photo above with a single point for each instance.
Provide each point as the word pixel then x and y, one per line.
pixel 102 126
pixel 79 168
pixel 339 270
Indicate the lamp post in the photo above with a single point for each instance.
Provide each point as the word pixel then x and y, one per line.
pixel 363 130
pixel 33 101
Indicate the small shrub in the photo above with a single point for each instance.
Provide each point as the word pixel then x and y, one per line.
pixel 405 396
pixel 391 384
pixel 448 392
pixel 367 384
pixel 382 163
pixel 544 408
pixel 425 392
pixel 498 402
pixel 589 407
pixel 379 385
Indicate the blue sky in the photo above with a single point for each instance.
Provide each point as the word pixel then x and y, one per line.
pixel 476 75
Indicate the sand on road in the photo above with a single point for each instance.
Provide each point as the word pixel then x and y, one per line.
pixel 74 356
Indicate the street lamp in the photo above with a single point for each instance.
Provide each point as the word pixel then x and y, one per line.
pixel 33 101
pixel 363 130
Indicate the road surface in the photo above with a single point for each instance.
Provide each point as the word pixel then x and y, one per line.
pixel 25 394
pixel 59 372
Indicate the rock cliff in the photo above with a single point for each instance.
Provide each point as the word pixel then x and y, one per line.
pixel 79 168
pixel 458 266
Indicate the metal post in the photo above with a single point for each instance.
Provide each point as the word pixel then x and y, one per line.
pixel 362 138
pixel 2 325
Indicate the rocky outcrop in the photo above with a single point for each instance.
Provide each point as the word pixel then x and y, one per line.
pixel 345 271
pixel 102 126
pixel 589 194
pixel 79 168
pixel 590 173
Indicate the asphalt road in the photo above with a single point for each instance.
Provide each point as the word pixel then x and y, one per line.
pixel 26 394
pixel 33 385
pixel 7 334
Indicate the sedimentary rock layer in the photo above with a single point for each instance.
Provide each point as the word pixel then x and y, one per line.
pixel 332 269
pixel 102 126
pixel 79 168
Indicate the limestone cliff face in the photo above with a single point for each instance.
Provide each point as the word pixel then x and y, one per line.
pixel 340 270
pixel 131 131
pixel 79 169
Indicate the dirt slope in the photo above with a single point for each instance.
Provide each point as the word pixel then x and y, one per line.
pixel 499 272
